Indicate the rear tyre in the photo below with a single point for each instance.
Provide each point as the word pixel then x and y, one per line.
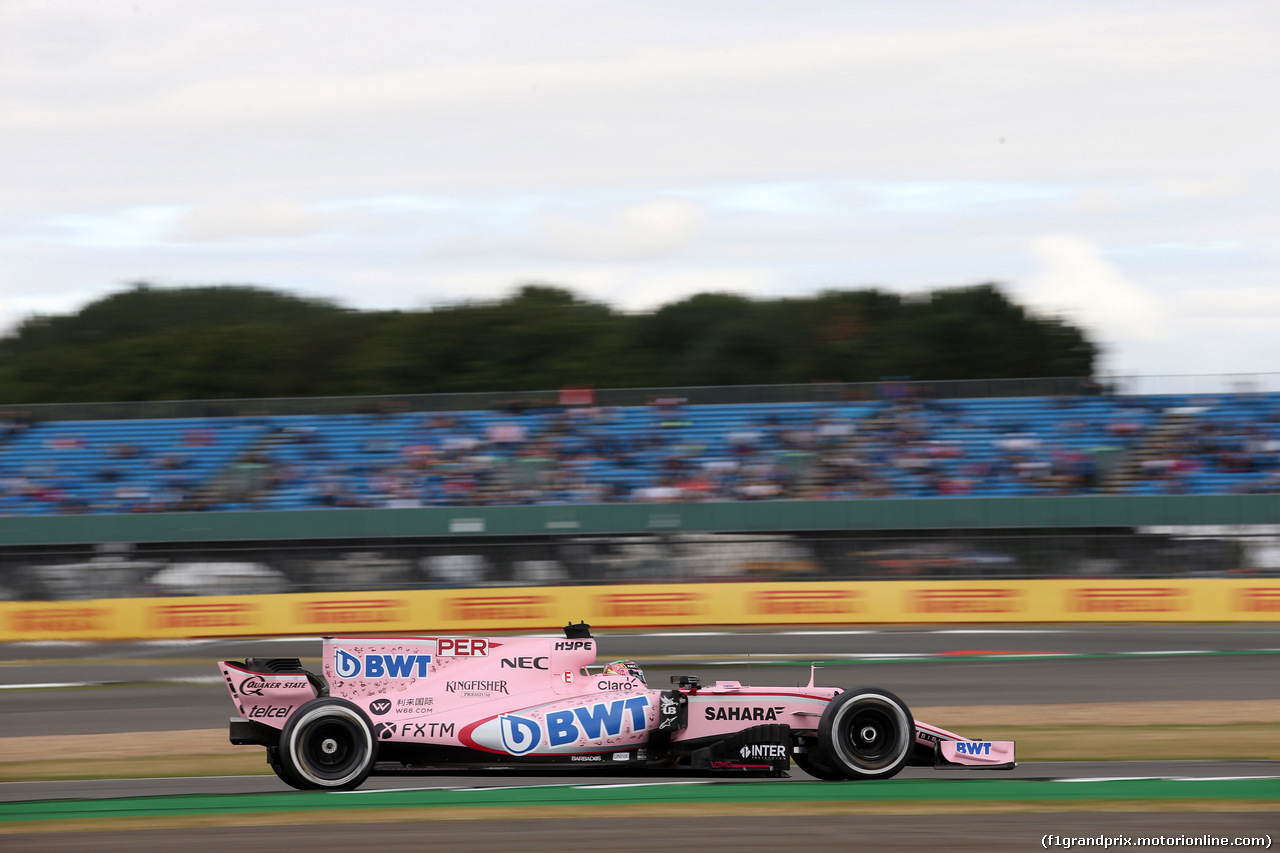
pixel 273 761
pixel 328 744
pixel 867 733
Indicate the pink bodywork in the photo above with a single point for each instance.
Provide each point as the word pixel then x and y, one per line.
pixel 534 696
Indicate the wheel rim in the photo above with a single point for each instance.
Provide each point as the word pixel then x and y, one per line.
pixel 872 734
pixel 332 748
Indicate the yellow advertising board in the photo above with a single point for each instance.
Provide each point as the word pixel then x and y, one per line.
pixel 646 606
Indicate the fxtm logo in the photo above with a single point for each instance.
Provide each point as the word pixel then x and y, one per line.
pixel 348 665
pixel 594 722
pixel 386 731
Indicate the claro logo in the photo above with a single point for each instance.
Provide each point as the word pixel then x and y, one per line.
pixel 990 600
pixel 1258 599
pixel 1156 599
pixel 499 607
pixel 803 601
pixel 345 612
pixel 646 604
pixel 203 615
pixel 60 620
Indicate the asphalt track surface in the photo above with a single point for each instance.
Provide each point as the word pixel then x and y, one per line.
pixel 170 686
pixel 908 833
pixel 174 685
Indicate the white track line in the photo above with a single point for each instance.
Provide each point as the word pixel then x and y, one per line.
pixel 641 785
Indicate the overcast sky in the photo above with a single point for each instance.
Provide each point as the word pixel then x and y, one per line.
pixel 1113 162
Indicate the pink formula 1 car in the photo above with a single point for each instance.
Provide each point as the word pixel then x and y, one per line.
pixel 428 703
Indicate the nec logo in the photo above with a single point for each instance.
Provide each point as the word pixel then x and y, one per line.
pixel 963 748
pixel 525 663
pixel 348 665
pixel 462 647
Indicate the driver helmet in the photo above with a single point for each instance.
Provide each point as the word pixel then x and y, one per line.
pixel 624 668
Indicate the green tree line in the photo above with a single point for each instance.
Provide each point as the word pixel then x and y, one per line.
pixel 150 343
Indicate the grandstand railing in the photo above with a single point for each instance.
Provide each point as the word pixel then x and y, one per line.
pixel 813 392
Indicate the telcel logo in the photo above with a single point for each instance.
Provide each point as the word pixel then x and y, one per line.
pixel 348 665
pixel 963 748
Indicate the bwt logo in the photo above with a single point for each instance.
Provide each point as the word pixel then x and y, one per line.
pixel 348 665
pixel 963 748
pixel 594 722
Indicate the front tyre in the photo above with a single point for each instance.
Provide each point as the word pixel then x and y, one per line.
pixel 818 766
pixel 867 733
pixel 327 744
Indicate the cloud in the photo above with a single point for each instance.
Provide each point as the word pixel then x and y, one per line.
pixel 1074 279
pixel 248 220
pixel 1247 306
pixel 642 231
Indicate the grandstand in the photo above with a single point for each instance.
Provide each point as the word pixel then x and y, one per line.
pixel 667 450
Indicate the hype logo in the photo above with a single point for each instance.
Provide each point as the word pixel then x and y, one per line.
pixel 519 734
